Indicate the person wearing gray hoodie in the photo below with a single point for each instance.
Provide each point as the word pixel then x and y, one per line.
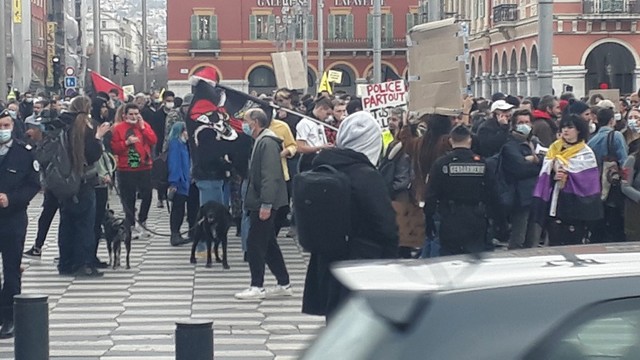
pixel 266 193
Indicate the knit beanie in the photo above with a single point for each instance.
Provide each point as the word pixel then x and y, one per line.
pixel 361 133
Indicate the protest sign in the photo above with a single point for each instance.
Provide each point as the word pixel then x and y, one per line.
pixel 437 67
pixel 379 99
pixel 290 70
pixel 335 76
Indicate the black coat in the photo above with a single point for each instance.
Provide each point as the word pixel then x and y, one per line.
pixel 490 138
pixel 374 230
pixel 523 174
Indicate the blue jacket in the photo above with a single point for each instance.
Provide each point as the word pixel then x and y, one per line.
pixel 598 143
pixel 179 166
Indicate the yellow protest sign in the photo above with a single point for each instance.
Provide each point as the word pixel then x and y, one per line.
pixel 335 76
pixel 17 11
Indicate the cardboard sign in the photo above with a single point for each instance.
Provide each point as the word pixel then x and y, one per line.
pixel 129 90
pixel 291 72
pixel 380 99
pixel 335 76
pixel 609 94
pixel 437 67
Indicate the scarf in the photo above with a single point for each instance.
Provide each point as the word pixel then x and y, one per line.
pixel 578 198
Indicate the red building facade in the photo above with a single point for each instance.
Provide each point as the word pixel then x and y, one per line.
pixel 238 39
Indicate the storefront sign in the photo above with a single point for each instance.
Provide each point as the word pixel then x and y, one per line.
pixel 292 3
pixel 51 50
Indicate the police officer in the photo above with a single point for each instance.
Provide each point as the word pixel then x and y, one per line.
pixel 462 190
pixel 19 183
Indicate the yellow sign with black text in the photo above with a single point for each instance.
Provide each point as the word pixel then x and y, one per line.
pixel 17 11
pixel 51 50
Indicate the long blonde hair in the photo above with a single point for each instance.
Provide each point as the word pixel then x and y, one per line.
pixel 119 114
pixel 80 106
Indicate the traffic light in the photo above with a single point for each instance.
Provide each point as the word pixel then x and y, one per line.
pixel 115 64
pixel 125 67
pixel 57 71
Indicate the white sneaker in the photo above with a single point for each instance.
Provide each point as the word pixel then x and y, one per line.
pixel 135 232
pixel 252 293
pixel 142 231
pixel 280 290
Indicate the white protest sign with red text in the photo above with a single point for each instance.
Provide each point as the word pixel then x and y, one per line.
pixel 379 99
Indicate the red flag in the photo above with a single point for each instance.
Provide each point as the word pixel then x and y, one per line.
pixel 101 83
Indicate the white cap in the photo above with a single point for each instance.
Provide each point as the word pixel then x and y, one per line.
pixel 501 105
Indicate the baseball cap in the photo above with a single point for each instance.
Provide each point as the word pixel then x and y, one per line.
pixel 501 105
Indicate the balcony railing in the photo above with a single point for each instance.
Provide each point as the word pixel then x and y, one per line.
pixel 363 44
pixel 205 45
pixel 505 13
pixel 611 7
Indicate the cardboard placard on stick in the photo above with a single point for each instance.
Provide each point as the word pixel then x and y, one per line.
pixel 437 68
pixel 290 70
pixel 335 76
pixel 608 94
pixel 380 99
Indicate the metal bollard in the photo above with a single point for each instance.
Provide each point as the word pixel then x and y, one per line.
pixel 194 340
pixel 31 318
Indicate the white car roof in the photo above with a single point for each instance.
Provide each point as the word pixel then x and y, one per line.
pixel 503 269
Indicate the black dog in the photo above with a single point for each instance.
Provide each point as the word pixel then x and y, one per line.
pixel 116 232
pixel 213 224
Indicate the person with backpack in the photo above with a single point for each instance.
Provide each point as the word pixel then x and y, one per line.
pixel 76 237
pixel 520 167
pixel 354 220
pixel 132 142
pixel 395 168
pixel 610 149
pixel 19 184
pixel 266 193
pixel 179 166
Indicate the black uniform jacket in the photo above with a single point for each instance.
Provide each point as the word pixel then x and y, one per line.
pixel 19 178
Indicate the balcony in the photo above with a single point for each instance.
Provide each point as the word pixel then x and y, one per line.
pixel 611 7
pixel 204 47
pixel 505 14
pixel 355 45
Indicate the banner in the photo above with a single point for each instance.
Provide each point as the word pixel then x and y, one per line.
pixel 101 83
pixel 51 50
pixel 379 99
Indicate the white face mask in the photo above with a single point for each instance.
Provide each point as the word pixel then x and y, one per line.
pixel 592 128
pixel 523 129
pixel 5 135
pixel 29 100
pixel 169 105
pixel 633 125
pixel 617 116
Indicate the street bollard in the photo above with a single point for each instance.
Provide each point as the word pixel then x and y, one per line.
pixel 194 340
pixel 31 318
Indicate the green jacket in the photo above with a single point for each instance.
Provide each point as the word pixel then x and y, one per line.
pixel 267 187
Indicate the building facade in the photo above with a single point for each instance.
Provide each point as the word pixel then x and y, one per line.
pixel 238 40
pixel 595 44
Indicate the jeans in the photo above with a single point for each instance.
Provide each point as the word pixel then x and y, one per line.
pixel 76 238
pixel 50 206
pixel 211 190
pixel 244 228
pixel 263 248
pixel 177 212
pixel 431 247
pixel 13 229
pixel 102 196
pixel 523 231
pixel 130 183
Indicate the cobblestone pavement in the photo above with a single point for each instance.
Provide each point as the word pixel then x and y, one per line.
pixel 131 314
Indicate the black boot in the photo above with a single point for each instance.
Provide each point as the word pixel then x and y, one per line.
pixel 6 315
pixel 177 240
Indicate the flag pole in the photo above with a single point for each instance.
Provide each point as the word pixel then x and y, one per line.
pixel 278 107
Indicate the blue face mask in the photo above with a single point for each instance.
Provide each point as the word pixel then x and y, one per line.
pixel 5 136
pixel 247 129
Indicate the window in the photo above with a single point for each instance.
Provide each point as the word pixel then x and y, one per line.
pixel 262 27
pixel 300 26
pixel 204 27
pixel 340 26
pixel 104 24
pixel 386 21
pixel 413 19
pixel 609 330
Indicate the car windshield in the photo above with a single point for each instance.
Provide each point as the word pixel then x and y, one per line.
pixel 355 330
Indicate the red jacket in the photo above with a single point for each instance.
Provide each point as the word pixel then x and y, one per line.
pixel 136 157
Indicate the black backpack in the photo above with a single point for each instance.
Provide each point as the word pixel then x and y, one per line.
pixel 160 172
pixel 57 174
pixel 322 204
pixel 504 188
pixel 388 165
